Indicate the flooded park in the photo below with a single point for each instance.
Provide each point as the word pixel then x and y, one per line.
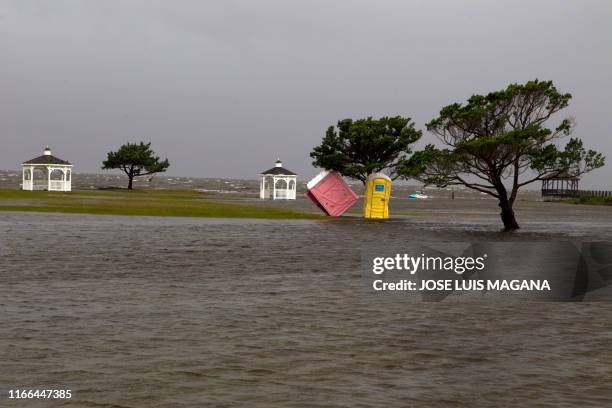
pixel 168 311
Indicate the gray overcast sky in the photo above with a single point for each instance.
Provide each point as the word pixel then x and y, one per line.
pixel 224 87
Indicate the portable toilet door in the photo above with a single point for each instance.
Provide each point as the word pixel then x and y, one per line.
pixel 377 193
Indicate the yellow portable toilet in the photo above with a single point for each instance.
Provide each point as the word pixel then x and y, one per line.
pixel 377 193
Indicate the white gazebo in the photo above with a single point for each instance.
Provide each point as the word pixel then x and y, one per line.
pixel 47 172
pixel 278 183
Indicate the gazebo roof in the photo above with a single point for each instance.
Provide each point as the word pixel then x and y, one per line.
pixel 278 170
pixel 48 159
pixel 561 176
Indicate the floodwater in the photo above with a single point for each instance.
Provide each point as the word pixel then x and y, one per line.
pixel 180 312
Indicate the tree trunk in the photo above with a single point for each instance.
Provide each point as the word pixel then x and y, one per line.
pixel 130 182
pixel 507 213
pixel 507 216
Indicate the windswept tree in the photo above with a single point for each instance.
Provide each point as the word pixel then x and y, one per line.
pixel 357 148
pixel 499 142
pixel 135 159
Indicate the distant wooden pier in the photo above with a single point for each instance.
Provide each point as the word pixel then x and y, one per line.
pixel 565 186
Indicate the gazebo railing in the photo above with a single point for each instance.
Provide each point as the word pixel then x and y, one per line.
pixel 559 192
pixel 39 186
pixel 286 194
pixel 565 193
pixel 53 185
pixel 57 185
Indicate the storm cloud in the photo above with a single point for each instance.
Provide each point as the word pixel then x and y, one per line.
pixel 223 88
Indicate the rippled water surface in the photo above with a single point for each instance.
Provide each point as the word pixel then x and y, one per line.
pixel 163 312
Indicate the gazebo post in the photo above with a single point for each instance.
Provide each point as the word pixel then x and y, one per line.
pixel 274 184
pixel 286 180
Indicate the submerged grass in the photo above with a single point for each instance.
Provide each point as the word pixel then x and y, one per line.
pixel 395 213
pixel 161 203
pixel 591 200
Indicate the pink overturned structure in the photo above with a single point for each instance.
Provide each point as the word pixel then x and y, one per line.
pixel 330 193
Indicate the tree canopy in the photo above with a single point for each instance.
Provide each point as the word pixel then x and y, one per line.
pixel 135 159
pixel 357 148
pixel 499 142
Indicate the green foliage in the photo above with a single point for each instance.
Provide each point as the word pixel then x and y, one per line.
pixel 500 141
pixel 357 148
pixel 135 159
